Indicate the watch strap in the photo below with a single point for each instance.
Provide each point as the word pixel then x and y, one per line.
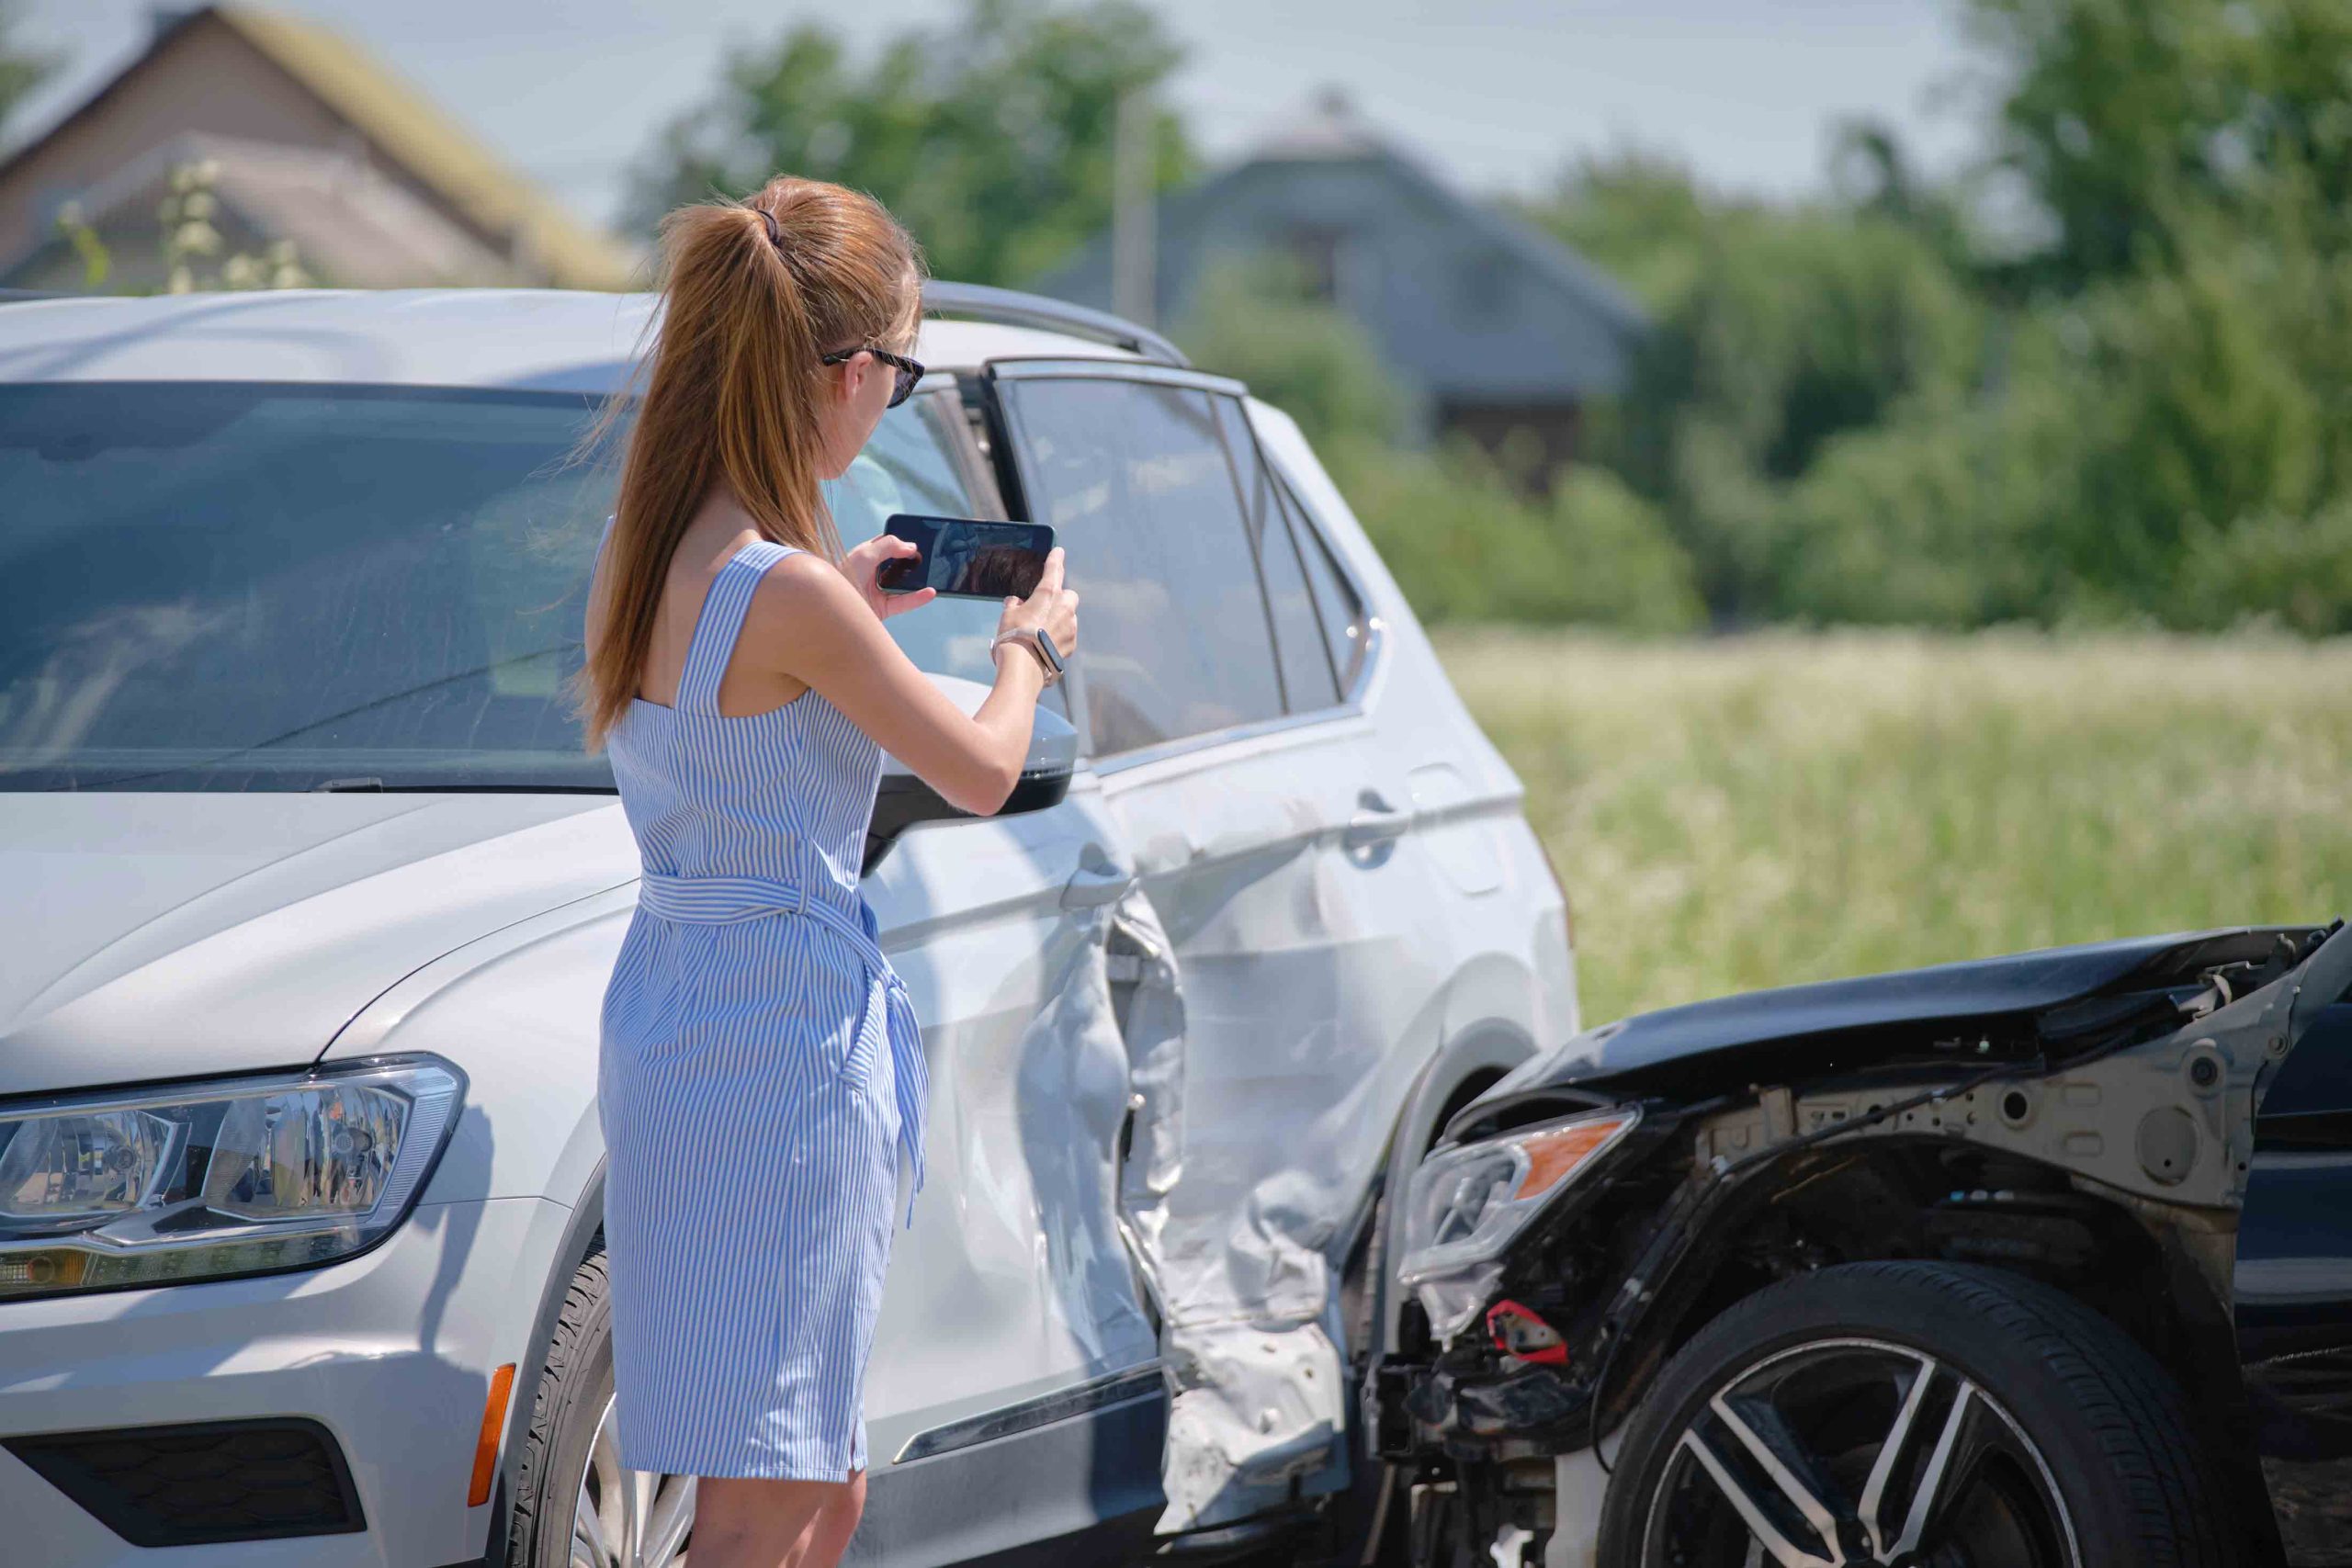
pixel 1041 646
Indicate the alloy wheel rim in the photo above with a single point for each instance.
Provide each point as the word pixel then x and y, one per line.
pixel 1850 1453
pixel 627 1519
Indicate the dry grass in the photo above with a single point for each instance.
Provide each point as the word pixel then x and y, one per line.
pixel 1767 809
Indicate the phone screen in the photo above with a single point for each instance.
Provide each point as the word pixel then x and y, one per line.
pixel 966 556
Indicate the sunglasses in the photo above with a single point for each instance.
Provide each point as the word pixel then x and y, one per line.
pixel 910 371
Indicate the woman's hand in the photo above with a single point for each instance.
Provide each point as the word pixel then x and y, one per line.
pixel 862 564
pixel 1051 606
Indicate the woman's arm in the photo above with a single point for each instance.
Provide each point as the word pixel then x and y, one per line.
pixel 809 620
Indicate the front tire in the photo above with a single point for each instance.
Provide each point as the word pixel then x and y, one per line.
pixel 575 1505
pixel 1914 1414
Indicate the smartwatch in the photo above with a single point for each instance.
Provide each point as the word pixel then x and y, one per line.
pixel 1040 641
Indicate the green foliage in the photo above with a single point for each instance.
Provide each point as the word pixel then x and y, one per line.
pixel 1776 331
pixel 2127 117
pixel 1859 411
pixel 2294 571
pixel 991 138
pixel 1640 217
pixel 2139 433
pixel 2099 379
pixel 1252 319
pixel 1467 543
pixel 1467 538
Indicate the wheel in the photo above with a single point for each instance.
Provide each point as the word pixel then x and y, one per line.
pixel 1916 1416
pixel 575 1505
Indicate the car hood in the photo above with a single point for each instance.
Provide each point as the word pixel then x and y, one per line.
pixel 163 935
pixel 1830 1023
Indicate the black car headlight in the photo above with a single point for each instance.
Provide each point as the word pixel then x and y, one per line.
pixel 1466 1205
pixel 197 1181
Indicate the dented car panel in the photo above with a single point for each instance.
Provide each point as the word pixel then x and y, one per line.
pixel 2121 1118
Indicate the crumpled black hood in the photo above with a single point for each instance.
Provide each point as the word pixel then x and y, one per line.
pixel 1832 1020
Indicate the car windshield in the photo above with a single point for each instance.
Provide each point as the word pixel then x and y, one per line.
pixel 294 587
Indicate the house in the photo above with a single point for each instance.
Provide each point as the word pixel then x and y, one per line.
pixel 1489 324
pixel 294 139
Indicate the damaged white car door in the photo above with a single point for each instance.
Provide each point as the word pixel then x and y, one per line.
pixel 1279 888
pixel 1015 1390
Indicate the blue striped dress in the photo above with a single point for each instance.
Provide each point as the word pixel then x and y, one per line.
pixel 760 1071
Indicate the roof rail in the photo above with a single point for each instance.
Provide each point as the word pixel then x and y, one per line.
pixel 1011 308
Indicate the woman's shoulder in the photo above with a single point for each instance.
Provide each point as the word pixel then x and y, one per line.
pixel 799 588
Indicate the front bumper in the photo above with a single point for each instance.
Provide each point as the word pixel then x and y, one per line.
pixel 391 1352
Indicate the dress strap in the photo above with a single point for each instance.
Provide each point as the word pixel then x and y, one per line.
pixel 721 622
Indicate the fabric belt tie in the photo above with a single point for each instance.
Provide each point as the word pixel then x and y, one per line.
pixel 719 900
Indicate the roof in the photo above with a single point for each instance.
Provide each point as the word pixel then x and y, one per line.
pixel 1329 128
pixel 1423 268
pixel 407 129
pixel 1331 131
pixel 557 340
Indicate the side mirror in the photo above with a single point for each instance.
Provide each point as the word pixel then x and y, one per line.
pixel 905 800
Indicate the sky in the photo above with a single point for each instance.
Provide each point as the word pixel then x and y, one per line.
pixel 1497 94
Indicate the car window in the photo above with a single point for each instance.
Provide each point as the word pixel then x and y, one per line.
pixel 1336 603
pixel 1133 478
pixel 1305 663
pixel 912 464
pixel 238 586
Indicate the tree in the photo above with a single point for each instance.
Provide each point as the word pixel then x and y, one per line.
pixel 991 139
pixel 2124 116
pixel 1253 321
pixel 1777 329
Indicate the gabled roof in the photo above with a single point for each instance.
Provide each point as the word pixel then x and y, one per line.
pixel 1568 330
pixel 408 130
pixel 1331 131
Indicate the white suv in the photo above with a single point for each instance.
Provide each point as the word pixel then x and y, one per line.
pixel 309 895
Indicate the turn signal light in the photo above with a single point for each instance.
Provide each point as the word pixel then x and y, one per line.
pixel 493 1421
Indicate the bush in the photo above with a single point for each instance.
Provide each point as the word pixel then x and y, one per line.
pixel 1251 320
pixel 2295 571
pixel 1467 544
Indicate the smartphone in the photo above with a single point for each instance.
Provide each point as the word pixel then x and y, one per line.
pixel 965 555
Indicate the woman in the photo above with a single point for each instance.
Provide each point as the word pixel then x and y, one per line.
pixel 761 1067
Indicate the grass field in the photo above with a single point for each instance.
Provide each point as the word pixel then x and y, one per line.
pixel 1767 809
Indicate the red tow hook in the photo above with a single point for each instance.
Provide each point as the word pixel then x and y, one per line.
pixel 1517 1331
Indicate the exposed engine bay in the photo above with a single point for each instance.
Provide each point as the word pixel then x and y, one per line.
pixel 2085 1117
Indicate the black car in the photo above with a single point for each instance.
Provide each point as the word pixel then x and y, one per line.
pixel 2045 1260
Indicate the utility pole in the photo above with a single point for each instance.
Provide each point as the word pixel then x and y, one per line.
pixel 1134 243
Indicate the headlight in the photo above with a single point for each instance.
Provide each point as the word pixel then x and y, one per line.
pixel 1466 1205
pixel 229 1175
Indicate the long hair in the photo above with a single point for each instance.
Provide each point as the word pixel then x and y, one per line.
pixel 754 293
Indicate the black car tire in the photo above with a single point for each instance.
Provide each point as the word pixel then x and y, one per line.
pixel 559 1444
pixel 2115 1445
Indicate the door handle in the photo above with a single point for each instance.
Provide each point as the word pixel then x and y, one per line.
pixel 1096 882
pixel 1374 822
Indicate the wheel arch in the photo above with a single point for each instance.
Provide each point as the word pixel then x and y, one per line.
pixel 2181 1323
pixel 581 1233
pixel 1463 1067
